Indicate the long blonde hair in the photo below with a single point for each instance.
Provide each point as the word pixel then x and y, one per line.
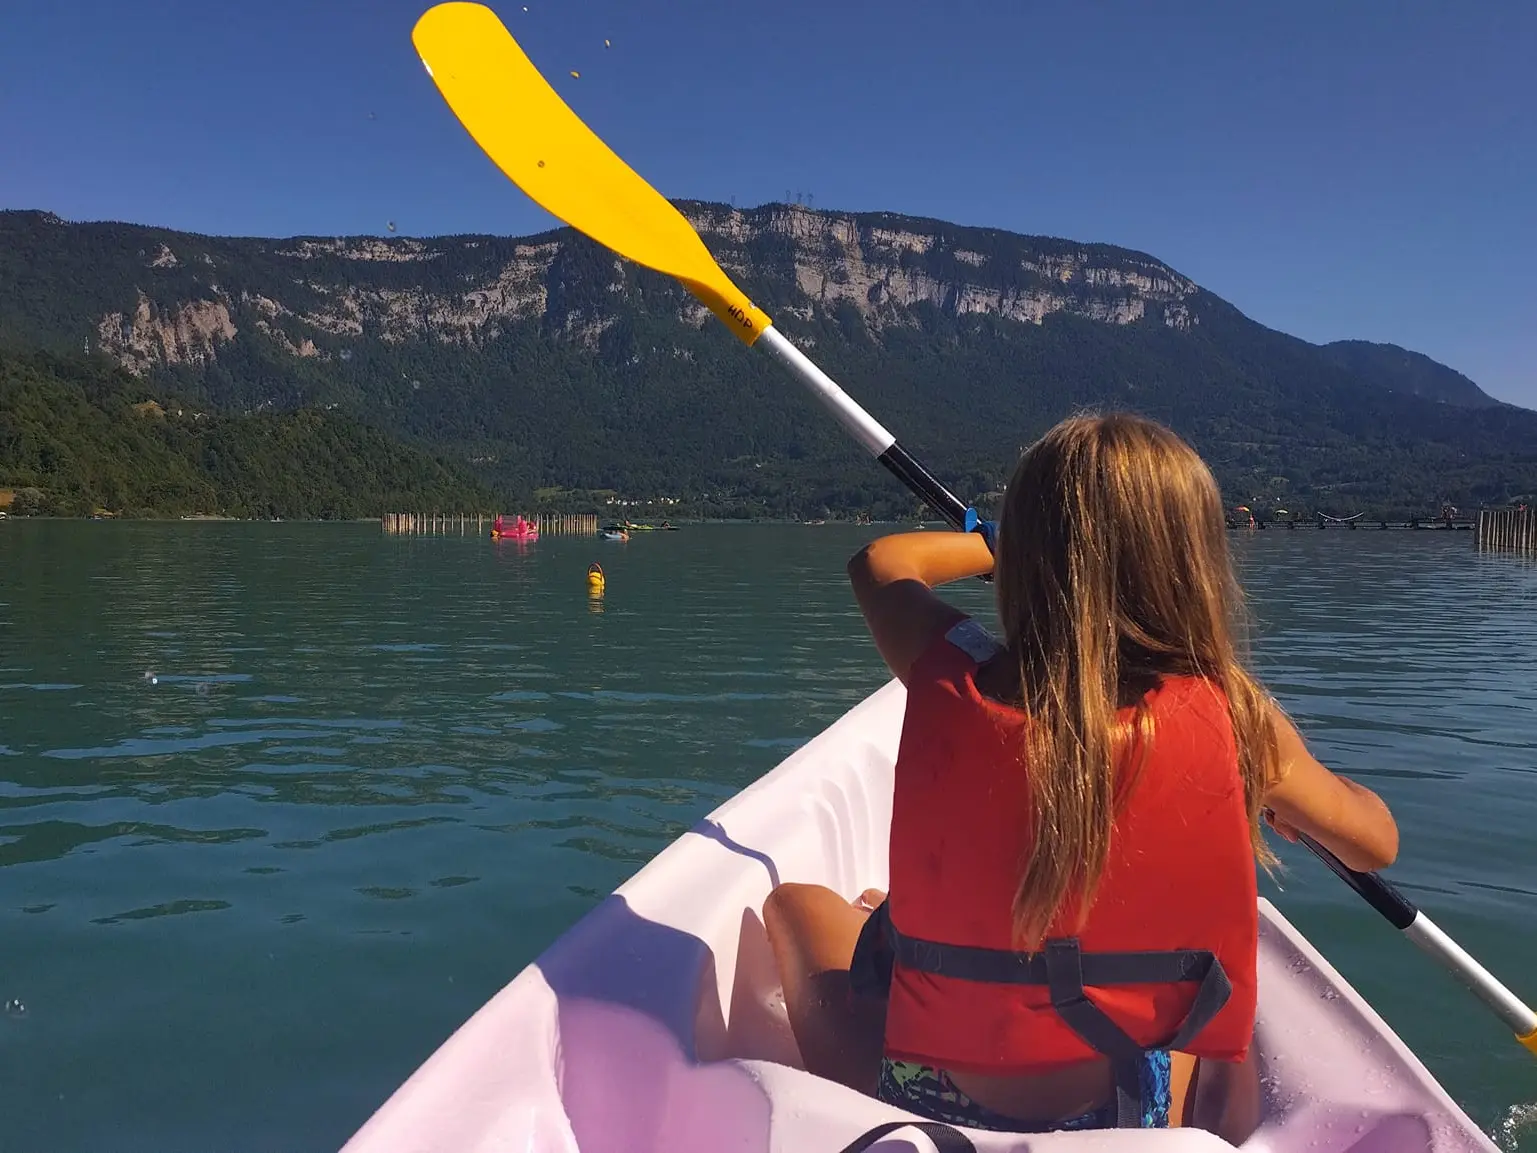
pixel 1112 571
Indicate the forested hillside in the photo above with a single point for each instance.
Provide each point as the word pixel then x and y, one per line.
pixel 78 437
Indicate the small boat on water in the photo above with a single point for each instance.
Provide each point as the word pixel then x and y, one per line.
pixel 520 529
pixel 631 526
pixel 657 1023
pixel 613 534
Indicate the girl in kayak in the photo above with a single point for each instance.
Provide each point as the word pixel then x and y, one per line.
pixel 1070 939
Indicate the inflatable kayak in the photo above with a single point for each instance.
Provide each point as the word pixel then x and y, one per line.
pixel 657 1023
pixel 530 534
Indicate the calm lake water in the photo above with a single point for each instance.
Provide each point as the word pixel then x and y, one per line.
pixel 373 776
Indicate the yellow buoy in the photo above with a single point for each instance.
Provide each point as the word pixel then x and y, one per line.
pixel 595 578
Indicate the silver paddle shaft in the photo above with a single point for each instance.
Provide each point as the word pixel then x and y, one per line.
pixel 865 428
pixel 1488 988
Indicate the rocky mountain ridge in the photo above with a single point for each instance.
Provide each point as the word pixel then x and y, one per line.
pixel 549 362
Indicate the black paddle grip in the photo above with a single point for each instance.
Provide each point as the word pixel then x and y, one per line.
pixel 1379 894
pixel 924 484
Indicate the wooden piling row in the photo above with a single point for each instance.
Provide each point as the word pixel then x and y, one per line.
pixel 1507 530
pixel 434 523
pixel 479 524
pixel 1438 524
pixel 568 524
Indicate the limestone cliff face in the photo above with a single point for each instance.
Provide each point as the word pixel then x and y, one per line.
pixel 885 265
pixel 188 334
pixel 192 296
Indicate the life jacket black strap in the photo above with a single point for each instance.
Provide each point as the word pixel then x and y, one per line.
pixel 1065 964
pixel 946 1138
pixel 1067 971
pixel 1002 967
pixel 1128 1093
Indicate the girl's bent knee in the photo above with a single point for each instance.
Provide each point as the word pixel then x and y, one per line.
pixel 785 901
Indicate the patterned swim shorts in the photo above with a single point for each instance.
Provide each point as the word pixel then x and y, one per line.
pixel 930 1093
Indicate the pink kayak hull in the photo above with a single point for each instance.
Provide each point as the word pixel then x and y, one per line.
pixel 657 1022
pixel 520 536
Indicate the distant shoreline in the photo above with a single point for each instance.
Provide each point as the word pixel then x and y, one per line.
pixel 373 520
pixel 1425 524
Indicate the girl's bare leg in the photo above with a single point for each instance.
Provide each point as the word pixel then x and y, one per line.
pixel 812 931
pixel 1224 1098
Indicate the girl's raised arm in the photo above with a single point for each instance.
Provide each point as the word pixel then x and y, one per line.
pixel 893 578
pixel 1348 819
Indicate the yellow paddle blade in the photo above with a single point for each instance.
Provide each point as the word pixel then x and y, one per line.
pixel 544 148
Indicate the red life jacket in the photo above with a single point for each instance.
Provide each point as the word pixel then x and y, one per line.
pixel 1179 884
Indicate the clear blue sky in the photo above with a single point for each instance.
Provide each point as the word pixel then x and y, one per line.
pixel 1334 169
